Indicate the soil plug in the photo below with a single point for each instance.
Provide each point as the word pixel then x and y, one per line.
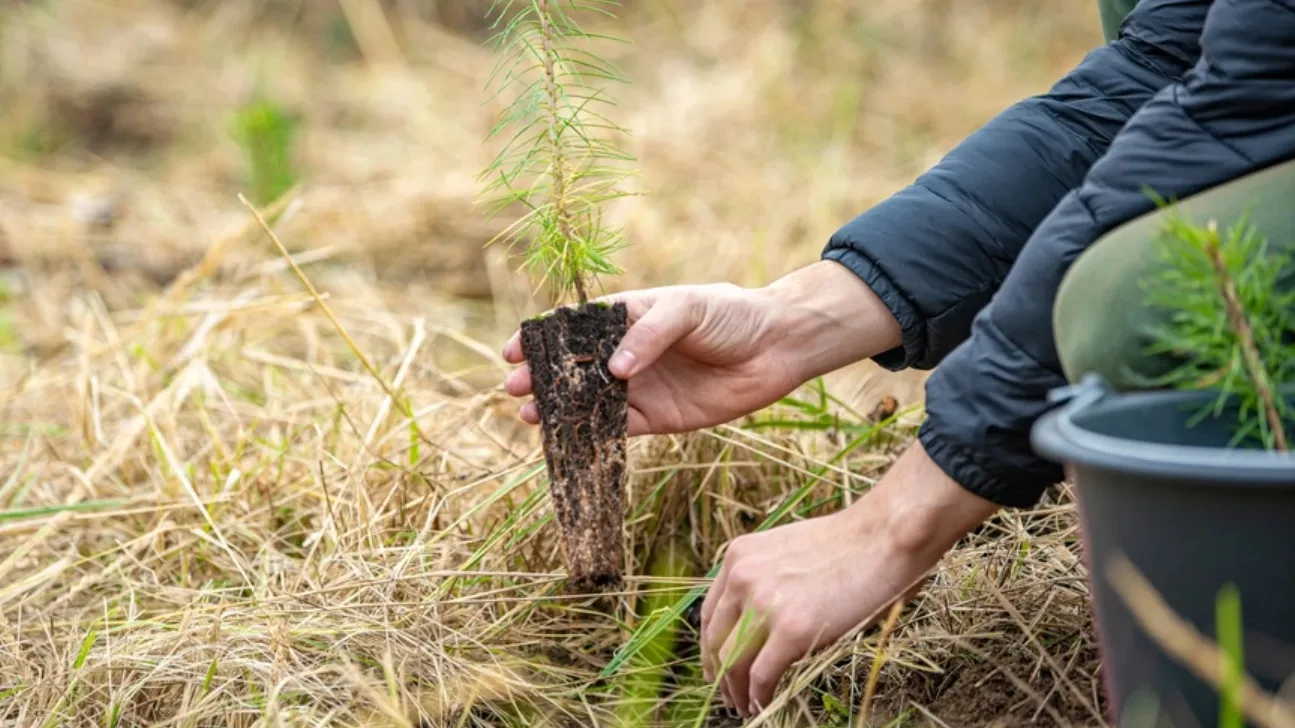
pixel 560 164
pixel 583 422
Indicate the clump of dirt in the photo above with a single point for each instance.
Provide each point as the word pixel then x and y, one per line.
pixel 983 695
pixel 583 419
pixel 110 119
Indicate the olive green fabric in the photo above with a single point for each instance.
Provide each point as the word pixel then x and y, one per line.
pixel 1113 13
pixel 1101 320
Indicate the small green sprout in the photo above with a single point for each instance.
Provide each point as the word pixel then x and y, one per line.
pixel 559 159
pixel 266 134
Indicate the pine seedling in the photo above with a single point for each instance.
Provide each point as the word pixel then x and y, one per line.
pixel 1230 328
pixel 560 163
pixel 266 133
pixel 560 160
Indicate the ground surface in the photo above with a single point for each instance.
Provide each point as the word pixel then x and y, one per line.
pixel 224 501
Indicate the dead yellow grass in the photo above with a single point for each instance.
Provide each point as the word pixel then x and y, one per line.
pixel 211 513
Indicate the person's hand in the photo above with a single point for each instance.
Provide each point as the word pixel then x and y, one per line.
pixel 702 355
pixel 791 590
pixel 695 356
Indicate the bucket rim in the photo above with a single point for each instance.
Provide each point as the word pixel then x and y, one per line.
pixel 1057 437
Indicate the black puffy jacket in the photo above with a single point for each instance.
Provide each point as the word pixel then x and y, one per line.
pixel 1190 94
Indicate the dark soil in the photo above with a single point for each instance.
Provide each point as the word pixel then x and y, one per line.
pixel 977 694
pixel 583 421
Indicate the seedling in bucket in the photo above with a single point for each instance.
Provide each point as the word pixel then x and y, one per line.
pixel 1193 485
pixel 1231 322
pixel 561 164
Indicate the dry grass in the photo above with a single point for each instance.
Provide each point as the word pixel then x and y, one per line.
pixel 211 513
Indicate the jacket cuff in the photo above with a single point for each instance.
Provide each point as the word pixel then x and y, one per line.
pixel 964 466
pixel 911 323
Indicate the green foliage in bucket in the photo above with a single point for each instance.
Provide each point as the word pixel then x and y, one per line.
pixel 1230 327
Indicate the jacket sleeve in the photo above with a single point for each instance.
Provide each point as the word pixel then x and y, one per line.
pixel 1233 113
pixel 936 251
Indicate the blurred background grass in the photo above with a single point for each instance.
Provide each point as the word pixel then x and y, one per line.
pixel 213 514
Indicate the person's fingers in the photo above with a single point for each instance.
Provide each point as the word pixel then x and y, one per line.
pixel 726 696
pixel 734 685
pixel 529 413
pixel 638 423
pixel 716 634
pixel 667 321
pixel 738 654
pixel 707 667
pixel 777 654
pixel 636 303
pixel 518 383
pixel 713 597
pixel 513 349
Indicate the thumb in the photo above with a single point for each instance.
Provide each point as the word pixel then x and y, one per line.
pixel 665 323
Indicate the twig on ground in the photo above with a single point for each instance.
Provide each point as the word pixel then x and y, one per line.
pixel 875 673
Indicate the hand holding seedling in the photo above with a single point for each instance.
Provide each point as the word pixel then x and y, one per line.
pixel 702 355
pixel 695 356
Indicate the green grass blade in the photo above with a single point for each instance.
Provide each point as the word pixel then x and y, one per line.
pixel 1231 637
pixel 18 514
pixel 87 644
pixel 640 686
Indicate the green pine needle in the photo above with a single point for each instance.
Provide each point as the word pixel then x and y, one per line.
pixel 1231 329
pixel 559 160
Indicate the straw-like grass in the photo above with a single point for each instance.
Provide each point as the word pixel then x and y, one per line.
pixel 213 513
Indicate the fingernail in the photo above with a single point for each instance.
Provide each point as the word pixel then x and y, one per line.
pixel 622 364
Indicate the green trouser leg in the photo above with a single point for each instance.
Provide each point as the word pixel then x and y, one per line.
pixel 1112 13
pixel 1101 319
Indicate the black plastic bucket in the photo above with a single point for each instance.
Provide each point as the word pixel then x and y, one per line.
pixel 1191 514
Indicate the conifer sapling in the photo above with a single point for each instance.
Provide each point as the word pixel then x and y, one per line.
pixel 560 163
pixel 1231 324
